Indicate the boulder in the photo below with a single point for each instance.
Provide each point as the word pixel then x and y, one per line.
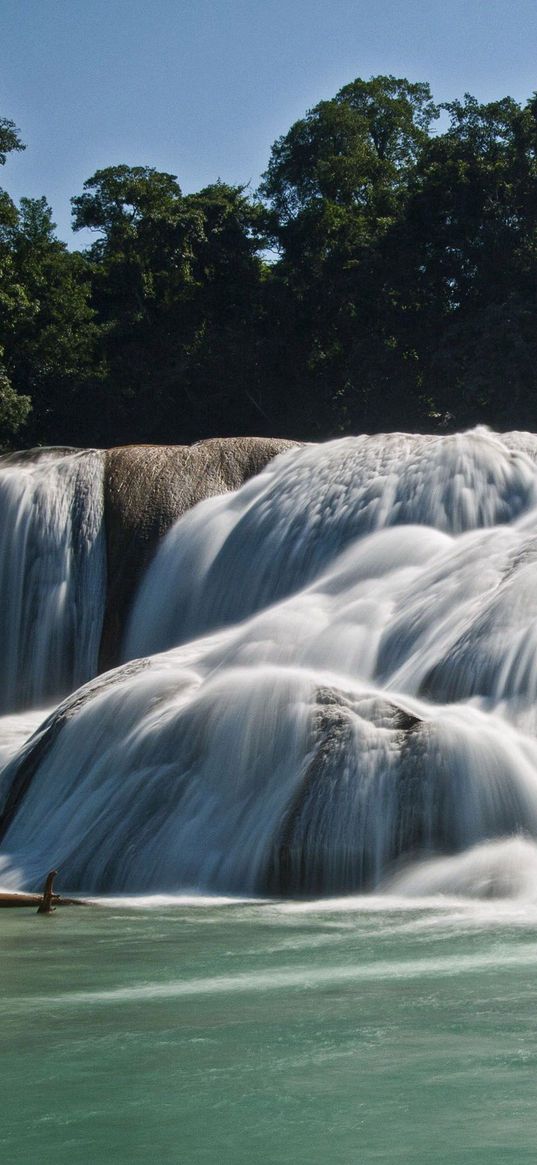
pixel 146 489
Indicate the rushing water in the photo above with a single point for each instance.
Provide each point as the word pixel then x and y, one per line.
pixel 346 684
pixel 51 574
pixel 344 700
pixel 281 1033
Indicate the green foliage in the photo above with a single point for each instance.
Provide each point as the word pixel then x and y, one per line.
pixel 47 331
pixel 175 287
pixel 14 409
pixel 9 139
pixel 384 276
pixel 9 142
pixel 353 152
pixel 413 281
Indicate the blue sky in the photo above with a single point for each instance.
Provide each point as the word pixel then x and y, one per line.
pixel 201 88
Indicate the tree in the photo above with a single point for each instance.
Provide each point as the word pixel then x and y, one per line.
pixel 46 326
pixel 336 186
pixel 117 200
pixel 461 271
pixel 354 152
pixel 175 284
pixel 14 409
pixel 9 139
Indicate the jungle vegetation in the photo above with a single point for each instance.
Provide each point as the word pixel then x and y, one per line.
pixel 383 276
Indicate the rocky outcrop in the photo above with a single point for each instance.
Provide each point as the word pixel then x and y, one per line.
pixel 327 839
pixel 78 528
pixel 360 802
pixel 146 489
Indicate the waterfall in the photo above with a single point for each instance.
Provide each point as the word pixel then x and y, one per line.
pixel 335 689
pixel 52 574
pixel 229 558
pixel 263 780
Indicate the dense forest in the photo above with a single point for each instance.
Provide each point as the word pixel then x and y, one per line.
pixel 383 276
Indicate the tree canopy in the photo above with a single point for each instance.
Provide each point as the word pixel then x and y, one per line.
pixel 384 275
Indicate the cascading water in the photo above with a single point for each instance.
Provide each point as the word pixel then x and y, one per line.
pixel 231 557
pixel 52 574
pixel 346 690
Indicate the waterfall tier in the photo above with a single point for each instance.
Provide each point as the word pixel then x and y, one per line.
pixel 52 574
pixel 335 688
pixel 78 530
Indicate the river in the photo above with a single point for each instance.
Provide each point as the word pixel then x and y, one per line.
pixel 356 1030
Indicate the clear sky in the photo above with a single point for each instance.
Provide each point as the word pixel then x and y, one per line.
pixel 201 88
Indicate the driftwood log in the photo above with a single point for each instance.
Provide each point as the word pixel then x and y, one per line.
pixel 18 898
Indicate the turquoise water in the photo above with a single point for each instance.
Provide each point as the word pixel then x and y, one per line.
pixel 234 1033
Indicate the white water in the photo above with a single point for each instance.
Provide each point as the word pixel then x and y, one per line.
pixel 52 570
pixel 346 698
pixel 15 729
pixel 234 555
